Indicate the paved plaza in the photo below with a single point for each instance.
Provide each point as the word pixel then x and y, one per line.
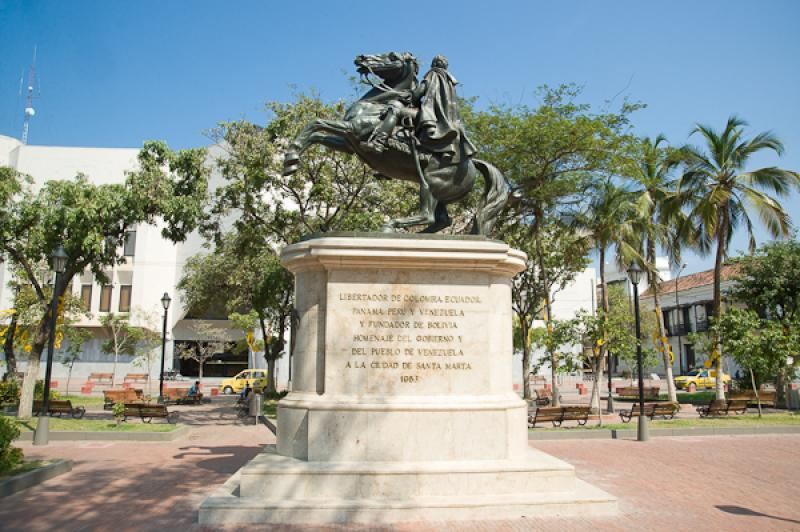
pixel 742 483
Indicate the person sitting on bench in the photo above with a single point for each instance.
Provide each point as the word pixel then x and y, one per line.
pixel 195 389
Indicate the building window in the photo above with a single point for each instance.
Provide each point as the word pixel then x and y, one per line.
pixel 86 296
pixel 125 298
pixel 129 246
pixel 105 298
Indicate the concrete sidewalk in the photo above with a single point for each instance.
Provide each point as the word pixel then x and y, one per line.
pixel 732 483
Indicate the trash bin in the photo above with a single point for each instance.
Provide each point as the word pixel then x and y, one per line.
pixel 256 404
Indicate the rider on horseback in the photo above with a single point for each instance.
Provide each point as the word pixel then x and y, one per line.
pixel 437 121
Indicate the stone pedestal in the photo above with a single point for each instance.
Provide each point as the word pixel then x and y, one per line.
pixel 402 406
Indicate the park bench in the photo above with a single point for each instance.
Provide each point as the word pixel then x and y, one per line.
pixel 767 397
pixel 717 407
pixel 135 378
pixel 723 407
pixel 180 396
pixel 558 414
pixel 650 392
pixel 665 410
pixel 57 407
pixel 146 412
pixel 543 397
pixel 129 395
pixel 97 379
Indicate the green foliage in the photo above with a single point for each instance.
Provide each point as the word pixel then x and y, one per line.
pixel 621 333
pixel 118 411
pixel 38 391
pixel 9 391
pixel 764 346
pixel 767 281
pixel 10 456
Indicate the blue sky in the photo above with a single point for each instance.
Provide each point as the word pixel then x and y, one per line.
pixel 115 74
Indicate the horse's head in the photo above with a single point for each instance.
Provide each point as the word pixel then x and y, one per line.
pixel 391 66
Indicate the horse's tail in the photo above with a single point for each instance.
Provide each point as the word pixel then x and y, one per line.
pixel 496 191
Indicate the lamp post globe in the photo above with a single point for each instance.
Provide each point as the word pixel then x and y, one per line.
pixel 165 301
pixel 59 259
pixel 635 275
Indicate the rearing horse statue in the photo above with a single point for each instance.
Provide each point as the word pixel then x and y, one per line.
pixel 442 177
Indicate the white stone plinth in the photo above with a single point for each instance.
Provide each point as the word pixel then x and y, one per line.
pixel 402 406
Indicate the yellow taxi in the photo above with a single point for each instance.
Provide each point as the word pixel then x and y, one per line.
pixel 700 378
pixel 255 378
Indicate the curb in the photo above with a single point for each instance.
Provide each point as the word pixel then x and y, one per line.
pixel 271 424
pixel 621 434
pixel 31 478
pixel 68 435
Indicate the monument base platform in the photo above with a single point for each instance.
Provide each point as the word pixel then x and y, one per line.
pixel 277 489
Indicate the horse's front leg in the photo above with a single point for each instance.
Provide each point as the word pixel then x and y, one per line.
pixel 427 207
pixel 311 134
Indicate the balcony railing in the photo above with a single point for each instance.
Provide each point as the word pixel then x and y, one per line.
pixel 677 329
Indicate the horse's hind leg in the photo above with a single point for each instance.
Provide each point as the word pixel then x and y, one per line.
pixel 441 220
pixel 427 206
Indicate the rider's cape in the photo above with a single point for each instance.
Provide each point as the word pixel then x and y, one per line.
pixel 439 126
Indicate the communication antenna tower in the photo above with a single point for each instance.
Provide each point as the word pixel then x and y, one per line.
pixel 29 110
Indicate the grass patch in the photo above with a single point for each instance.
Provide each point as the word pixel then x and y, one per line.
pixel 746 420
pixel 271 408
pixel 98 425
pixel 24 467
pixel 83 400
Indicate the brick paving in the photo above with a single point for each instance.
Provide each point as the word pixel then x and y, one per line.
pixel 734 483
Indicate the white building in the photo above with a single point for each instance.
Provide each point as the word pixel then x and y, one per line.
pixel 153 266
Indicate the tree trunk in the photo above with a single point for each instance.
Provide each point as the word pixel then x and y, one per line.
pixel 548 311
pixel 69 378
pixel 755 391
pixel 269 357
pixel 721 240
pixel 526 359
pixel 200 373
pixel 662 334
pixel 598 374
pixel 114 369
pixel 32 370
pixel 8 347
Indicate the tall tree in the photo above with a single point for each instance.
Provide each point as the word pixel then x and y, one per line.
pixel 767 282
pixel 204 350
pixel 721 195
pixel 552 153
pixel 91 222
pixel 608 220
pixel 566 256
pixel 659 225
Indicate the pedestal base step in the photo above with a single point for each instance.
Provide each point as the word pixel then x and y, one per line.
pixel 261 492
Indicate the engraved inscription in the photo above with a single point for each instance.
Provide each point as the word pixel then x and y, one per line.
pixel 410 336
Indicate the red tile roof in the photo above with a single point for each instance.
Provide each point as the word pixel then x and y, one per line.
pixel 687 282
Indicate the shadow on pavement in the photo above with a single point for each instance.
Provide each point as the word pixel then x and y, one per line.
pixel 739 510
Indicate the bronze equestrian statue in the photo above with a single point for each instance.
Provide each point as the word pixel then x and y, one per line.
pixel 410 130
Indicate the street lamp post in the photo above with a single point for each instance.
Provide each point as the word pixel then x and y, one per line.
pixel 42 434
pixel 165 301
pixel 635 275
pixel 678 310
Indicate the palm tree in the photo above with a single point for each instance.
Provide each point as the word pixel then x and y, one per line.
pixel 720 196
pixel 658 223
pixel 607 221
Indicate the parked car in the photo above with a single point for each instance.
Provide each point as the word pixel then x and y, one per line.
pixel 255 378
pixel 700 378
